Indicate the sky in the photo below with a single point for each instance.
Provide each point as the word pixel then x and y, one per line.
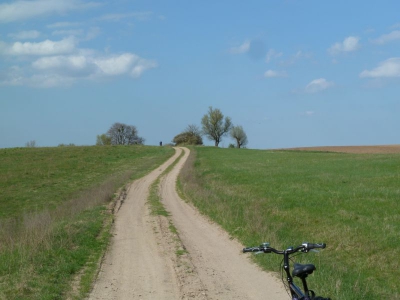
pixel 292 73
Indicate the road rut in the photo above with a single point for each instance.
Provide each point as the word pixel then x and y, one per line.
pixel 146 260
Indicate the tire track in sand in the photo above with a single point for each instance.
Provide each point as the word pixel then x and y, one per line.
pixel 142 262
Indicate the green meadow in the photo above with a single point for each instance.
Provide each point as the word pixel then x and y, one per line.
pixel 348 201
pixel 55 214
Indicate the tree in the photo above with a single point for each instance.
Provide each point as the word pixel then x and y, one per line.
pixel 215 126
pixel 30 144
pixel 190 136
pixel 122 134
pixel 103 140
pixel 238 134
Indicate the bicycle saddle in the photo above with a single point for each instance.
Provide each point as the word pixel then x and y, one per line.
pixel 300 270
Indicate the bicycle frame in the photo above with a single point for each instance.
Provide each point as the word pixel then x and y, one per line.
pixel 295 291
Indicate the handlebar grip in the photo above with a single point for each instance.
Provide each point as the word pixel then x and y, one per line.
pixel 313 246
pixel 251 249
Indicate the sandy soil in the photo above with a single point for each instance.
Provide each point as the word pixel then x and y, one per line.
pixel 354 149
pixel 146 260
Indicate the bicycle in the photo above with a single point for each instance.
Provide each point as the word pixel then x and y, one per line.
pixel 300 270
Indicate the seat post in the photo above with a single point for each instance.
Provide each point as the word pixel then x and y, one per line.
pixel 304 281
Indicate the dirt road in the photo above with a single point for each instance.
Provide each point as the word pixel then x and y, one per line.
pixel 149 260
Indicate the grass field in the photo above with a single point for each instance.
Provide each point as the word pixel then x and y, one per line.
pixel 54 218
pixel 348 201
pixel 34 178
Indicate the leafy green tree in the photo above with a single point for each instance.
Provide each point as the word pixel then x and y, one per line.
pixel 103 140
pixel 238 134
pixel 215 126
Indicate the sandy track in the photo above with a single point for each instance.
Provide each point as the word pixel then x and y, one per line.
pixel 143 263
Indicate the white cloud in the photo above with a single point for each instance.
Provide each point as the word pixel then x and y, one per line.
pixel 397 25
pixel 349 44
pixel 46 47
pixel 13 76
pixel 141 66
pixel 388 68
pixel 25 35
pixel 22 9
pixel 64 24
pixel 274 74
pixel 92 33
pixel 300 55
pixel 73 62
pixel 243 48
pixel 386 38
pixel 114 65
pixel 49 80
pixel 126 63
pixel 272 54
pixel 65 70
pixel 140 16
pixel 3 47
pixel 117 64
pixel 308 113
pixel 369 30
pixel 50 63
pixel 318 85
pixel 68 32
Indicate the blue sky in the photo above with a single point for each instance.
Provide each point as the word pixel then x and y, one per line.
pixel 292 73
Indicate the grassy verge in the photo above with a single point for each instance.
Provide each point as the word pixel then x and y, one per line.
pixel 54 220
pixel 46 273
pixel 349 201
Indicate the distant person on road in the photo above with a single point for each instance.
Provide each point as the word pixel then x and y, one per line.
pixel 160 143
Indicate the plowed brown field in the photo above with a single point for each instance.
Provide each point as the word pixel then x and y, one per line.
pixel 384 149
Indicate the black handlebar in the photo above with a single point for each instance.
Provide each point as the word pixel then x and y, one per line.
pixel 305 247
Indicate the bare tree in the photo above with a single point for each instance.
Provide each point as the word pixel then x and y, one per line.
pixel 122 134
pixel 30 144
pixel 238 134
pixel 193 130
pixel 215 126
